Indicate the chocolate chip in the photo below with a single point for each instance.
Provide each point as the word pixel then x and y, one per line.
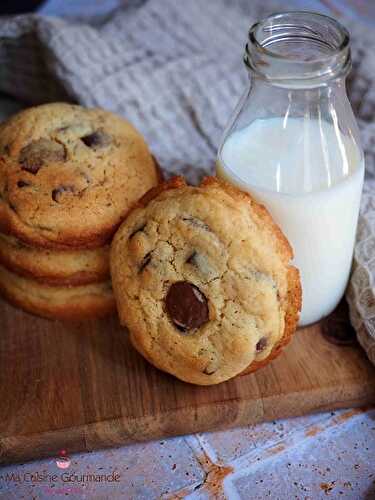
pixel 13 207
pixel 186 305
pixel 203 265
pixel 261 345
pixel 145 262
pixel 196 222
pixel 98 139
pixel 37 153
pixel 22 184
pixel 192 259
pixel 59 191
pixel 139 229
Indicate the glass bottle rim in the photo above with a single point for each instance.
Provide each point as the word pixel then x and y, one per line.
pixel 275 65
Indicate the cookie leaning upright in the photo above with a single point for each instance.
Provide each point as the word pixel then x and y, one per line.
pixel 69 174
pixel 203 281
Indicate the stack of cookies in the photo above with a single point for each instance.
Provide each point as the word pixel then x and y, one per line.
pixel 68 176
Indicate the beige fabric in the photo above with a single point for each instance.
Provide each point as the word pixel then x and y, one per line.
pixel 174 69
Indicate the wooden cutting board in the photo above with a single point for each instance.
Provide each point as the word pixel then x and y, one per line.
pixel 81 386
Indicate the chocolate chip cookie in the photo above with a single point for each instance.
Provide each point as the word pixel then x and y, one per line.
pixel 55 267
pixel 57 302
pixel 203 281
pixel 68 175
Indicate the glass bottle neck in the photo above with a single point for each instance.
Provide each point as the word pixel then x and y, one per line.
pixel 298 50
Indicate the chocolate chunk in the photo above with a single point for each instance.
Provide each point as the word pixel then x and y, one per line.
pixel 145 262
pixel 196 222
pixel 22 184
pixel 59 191
pixel 261 345
pixel 139 229
pixel 192 259
pixel 38 153
pixel 203 265
pixel 186 305
pixel 98 139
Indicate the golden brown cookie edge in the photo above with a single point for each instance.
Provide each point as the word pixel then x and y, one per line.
pixel 92 306
pixel 294 295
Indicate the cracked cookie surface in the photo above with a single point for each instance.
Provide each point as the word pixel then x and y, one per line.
pixel 203 281
pixel 68 175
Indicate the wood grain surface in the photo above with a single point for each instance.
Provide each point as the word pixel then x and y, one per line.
pixel 81 386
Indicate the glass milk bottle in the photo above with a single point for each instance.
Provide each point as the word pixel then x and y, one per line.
pixel 293 143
